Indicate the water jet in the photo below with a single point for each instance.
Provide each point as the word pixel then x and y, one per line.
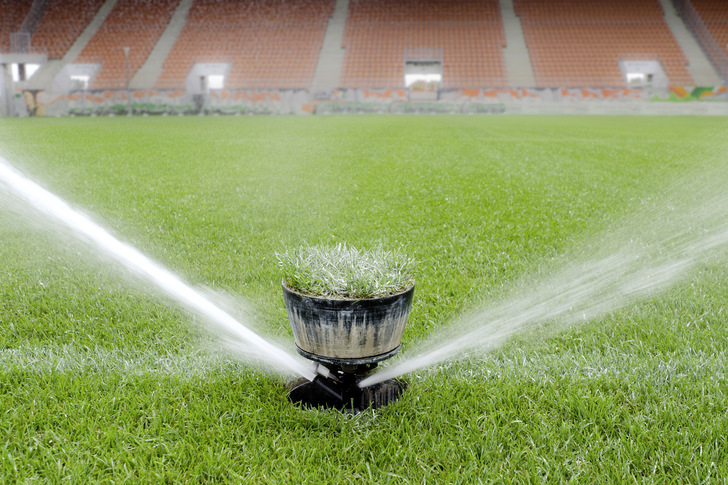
pixel 83 228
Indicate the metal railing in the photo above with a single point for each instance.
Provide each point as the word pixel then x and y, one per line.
pixel 20 40
pixel 429 54
pixel 641 56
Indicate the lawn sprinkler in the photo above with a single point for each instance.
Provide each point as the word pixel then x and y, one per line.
pixel 346 339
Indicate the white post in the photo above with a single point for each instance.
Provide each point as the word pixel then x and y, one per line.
pixel 7 89
pixel 128 94
pixel 126 59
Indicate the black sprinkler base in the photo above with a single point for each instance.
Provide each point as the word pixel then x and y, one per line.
pixel 341 391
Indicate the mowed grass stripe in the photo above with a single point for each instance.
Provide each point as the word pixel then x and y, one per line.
pixel 70 359
pixel 534 366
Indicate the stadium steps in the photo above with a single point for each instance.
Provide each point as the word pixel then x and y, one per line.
pixel 331 58
pixel 515 54
pixel 43 79
pixel 147 75
pixel 699 66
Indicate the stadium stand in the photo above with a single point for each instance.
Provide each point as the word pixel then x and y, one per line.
pixel 136 24
pixel 61 24
pixel 268 43
pixel 275 44
pixel 469 33
pixel 578 43
pixel 13 15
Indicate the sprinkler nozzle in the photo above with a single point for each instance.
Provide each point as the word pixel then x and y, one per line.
pixel 324 371
pixel 337 388
pixel 330 388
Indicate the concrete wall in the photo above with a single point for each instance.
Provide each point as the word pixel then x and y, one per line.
pixel 675 100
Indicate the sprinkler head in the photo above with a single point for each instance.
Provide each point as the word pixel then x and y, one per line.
pixel 341 390
pixel 346 339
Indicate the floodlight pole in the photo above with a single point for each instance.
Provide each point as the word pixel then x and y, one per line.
pixel 128 94
pixel 126 59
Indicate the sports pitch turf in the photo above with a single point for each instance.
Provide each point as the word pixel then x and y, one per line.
pixel 100 381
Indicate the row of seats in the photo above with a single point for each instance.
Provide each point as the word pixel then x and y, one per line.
pixel 61 24
pixel 468 34
pixel 268 43
pixel 136 24
pixel 577 43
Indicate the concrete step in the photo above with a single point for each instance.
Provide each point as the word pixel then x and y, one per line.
pixel 43 79
pixel 150 71
pixel 699 67
pixel 89 31
pixel 331 58
pixel 515 55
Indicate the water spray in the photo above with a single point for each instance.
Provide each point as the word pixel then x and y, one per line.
pixel 345 340
pixel 83 228
pixel 654 250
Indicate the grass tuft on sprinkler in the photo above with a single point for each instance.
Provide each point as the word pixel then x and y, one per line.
pixel 347 309
pixel 343 272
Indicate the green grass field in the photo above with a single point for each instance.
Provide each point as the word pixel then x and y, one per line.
pixel 101 381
